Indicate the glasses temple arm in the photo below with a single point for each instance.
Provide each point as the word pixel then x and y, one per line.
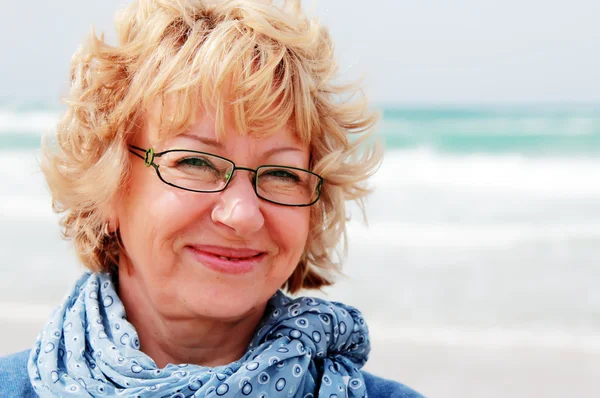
pixel 148 157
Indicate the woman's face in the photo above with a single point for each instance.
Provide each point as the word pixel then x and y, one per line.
pixel 217 255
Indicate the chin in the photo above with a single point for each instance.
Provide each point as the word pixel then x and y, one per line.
pixel 207 292
pixel 225 301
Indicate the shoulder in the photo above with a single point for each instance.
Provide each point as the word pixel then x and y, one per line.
pixel 379 388
pixel 14 379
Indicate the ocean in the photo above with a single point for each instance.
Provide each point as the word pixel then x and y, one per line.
pixel 483 228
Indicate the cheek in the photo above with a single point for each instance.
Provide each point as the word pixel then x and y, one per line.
pixel 136 216
pixel 292 228
pixel 150 215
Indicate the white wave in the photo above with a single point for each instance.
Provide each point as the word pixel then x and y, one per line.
pixel 495 126
pixel 403 171
pixel 518 174
pixel 41 122
pixel 457 236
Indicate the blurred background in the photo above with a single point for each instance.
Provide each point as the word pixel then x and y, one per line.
pixel 478 272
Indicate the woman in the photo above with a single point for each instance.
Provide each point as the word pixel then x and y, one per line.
pixel 202 165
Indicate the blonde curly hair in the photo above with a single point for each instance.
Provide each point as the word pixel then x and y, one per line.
pixel 266 64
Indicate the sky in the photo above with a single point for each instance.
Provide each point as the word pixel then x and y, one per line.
pixel 407 51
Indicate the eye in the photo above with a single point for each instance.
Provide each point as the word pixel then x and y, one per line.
pixel 281 174
pixel 196 162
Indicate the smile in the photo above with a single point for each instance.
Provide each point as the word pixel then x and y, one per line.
pixel 227 260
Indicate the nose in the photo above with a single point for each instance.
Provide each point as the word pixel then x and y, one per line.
pixel 239 207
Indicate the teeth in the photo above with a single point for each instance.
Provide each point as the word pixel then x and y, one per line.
pixel 233 259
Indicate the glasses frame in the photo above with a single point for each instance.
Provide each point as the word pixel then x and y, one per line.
pixel 149 156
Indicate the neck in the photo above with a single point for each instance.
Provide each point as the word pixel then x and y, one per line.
pixel 184 338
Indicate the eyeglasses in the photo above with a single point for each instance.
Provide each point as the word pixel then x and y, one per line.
pixel 204 172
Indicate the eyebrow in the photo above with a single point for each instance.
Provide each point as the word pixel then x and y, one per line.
pixel 277 150
pixel 204 140
pixel 214 143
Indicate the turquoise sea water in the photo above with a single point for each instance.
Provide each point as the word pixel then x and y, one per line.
pixel 536 130
pixel 533 130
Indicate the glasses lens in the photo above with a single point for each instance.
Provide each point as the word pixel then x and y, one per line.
pixel 195 171
pixel 287 185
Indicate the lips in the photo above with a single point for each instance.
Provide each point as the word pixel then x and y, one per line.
pixel 227 260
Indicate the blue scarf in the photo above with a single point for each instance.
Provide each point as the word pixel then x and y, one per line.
pixel 305 347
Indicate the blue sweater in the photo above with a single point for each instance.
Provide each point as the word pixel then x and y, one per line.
pixel 14 381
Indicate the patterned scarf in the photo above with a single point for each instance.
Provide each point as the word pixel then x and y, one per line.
pixel 304 347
